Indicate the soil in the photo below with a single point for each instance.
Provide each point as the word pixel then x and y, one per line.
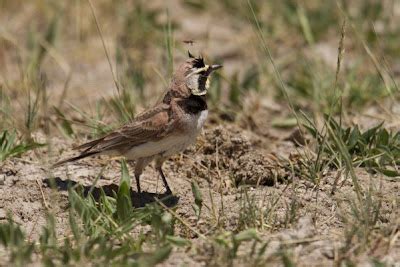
pixel 233 158
pixel 243 164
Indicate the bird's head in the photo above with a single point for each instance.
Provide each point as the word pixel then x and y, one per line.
pixel 194 75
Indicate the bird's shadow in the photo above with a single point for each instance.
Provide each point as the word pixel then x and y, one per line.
pixel 138 199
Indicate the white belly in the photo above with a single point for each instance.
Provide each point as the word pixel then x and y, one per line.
pixel 173 143
pixel 201 119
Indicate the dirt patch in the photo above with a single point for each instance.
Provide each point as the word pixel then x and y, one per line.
pixel 235 157
pixel 248 162
pixel 28 202
pixel 297 216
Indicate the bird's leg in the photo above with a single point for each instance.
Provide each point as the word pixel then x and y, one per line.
pixel 164 180
pixel 137 177
pixel 138 171
pixel 159 169
pixel 140 165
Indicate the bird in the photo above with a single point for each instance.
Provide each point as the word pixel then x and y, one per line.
pixel 163 130
pixel 188 41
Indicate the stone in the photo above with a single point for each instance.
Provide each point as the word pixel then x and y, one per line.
pixel 3 214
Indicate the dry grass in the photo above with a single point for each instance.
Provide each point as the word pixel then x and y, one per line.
pixel 298 164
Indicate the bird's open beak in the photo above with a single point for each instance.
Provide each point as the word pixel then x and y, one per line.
pixel 215 67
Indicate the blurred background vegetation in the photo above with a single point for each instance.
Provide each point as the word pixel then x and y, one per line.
pixel 79 68
pixel 55 71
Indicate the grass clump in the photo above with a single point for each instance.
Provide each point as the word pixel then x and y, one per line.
pixel 11 147
pixel 104 231
pixel 13 239
pixel 376 149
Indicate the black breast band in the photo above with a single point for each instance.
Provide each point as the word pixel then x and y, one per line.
pixel 194 104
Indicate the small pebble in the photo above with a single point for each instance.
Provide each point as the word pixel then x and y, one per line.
pixel 15 179
pixel 3 214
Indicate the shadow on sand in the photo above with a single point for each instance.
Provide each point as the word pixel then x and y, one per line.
pixel 138 200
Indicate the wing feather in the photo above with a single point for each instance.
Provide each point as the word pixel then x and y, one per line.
pixel 148 126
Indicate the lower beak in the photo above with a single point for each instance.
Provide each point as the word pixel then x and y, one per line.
pixel 215 67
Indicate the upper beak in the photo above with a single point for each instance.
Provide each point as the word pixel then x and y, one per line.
pixel 215 67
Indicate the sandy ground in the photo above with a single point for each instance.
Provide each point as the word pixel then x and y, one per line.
pixel 223 156
pixel 234 163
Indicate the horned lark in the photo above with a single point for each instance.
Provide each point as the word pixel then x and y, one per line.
pixel 166 129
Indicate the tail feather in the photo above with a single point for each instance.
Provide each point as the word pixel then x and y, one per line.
pixel 81 156
pixel 89 145
pixel 87 152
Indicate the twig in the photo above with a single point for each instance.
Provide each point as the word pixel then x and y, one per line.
pixel 301 241
pixel 104 45
pixel 180 219
pixel 33 228
pixel 41 192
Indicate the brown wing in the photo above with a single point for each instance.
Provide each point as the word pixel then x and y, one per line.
pixel 148 126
